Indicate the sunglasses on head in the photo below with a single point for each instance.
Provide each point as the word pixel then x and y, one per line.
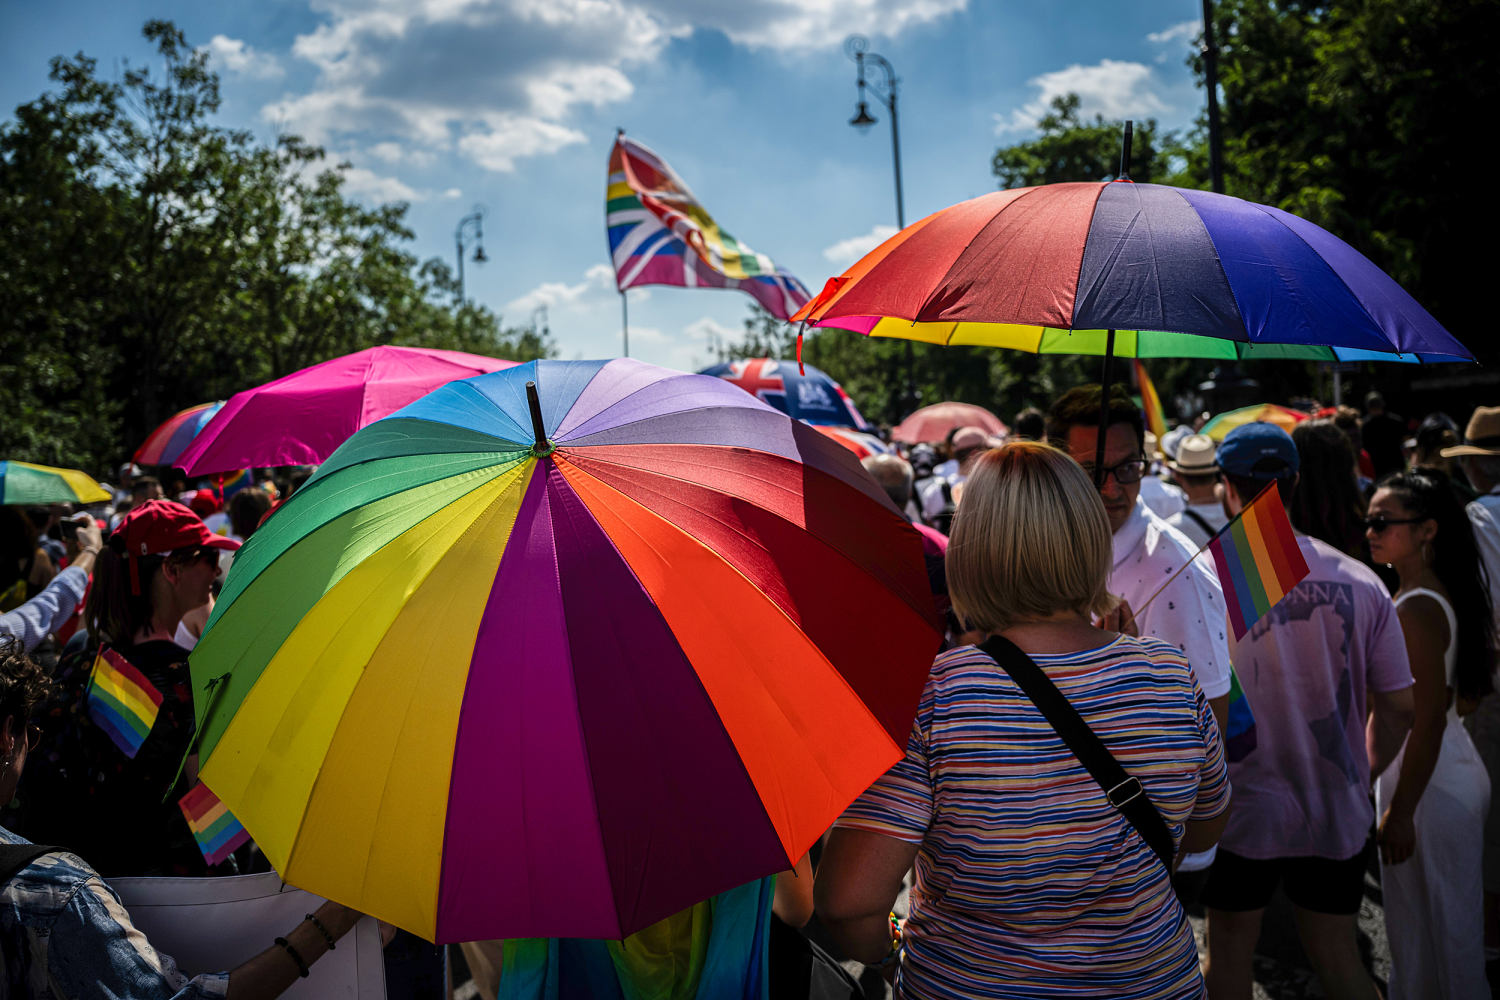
pixel 1380 522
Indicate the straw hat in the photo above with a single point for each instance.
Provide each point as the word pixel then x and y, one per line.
pixel 1195 456
pixel 1481 437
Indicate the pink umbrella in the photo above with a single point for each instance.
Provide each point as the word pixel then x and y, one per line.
pixel 932 423
pixel 301 418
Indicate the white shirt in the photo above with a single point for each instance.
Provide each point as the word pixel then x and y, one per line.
pixel 1164 499
pixel 1211 512
pixel 930 494
pixel 1190 613
pixel 1484 515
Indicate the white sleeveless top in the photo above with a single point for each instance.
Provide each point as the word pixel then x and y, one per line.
pixel 1450 655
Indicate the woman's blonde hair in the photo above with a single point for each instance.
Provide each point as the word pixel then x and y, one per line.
pixel 1030 539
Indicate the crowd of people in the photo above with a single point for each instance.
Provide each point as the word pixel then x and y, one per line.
pixel 1075 777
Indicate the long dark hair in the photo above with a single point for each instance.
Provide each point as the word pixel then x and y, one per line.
pixel 1427 493
pixel 1327 504
pixel 112 612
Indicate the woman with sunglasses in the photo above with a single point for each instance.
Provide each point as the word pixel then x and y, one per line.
pixel 86 791
pixel 1433 798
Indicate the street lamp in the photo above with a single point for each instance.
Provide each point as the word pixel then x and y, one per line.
pixel 475 219
pixel 856 47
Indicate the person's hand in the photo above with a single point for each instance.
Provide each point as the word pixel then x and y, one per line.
pixel 1397 836
pixel 90 538
pixel 1120 619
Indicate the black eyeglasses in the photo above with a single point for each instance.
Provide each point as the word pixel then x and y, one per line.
pixel 1127 472
pixel 1380 522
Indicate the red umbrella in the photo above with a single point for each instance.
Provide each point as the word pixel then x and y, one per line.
pixel 932 423
pixel 301 418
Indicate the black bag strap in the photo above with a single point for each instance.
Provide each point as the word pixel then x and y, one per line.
pixel 1125 792
pixel 1200 520
pixel 14 857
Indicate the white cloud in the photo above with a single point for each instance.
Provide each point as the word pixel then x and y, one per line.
pixel 363 183
pixel 237 57
pixel 453 193
pixel 1184 31
pixel 707 329
pixel 499 79
pixel 1112 88
pixel 395 152
pixel 846 252
pixel 598 284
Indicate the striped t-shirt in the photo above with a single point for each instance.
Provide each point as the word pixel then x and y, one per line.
pixel 1028 882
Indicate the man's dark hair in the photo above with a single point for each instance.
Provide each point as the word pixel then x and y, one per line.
pixel 1079 407
pixel 141 484
pixel 1030 423
pixel 1374 401
pixel 1249 487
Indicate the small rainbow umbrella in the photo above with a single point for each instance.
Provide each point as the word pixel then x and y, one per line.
pixel 558 661
pixel 164 444
pixel 25 483
pixel 1269 413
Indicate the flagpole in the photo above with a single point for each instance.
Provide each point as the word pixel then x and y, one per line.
pixel 625 321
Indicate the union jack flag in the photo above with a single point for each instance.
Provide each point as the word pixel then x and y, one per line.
pixel 660 235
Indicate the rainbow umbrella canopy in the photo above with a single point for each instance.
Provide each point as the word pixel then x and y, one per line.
pixel 26 483
pixel 1130 270
pixel 1270 413
pixel 562 666
pixel 169 440
pixel 935 422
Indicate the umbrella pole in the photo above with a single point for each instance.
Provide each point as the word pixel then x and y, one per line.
pixel 540 448
pixel 1104 383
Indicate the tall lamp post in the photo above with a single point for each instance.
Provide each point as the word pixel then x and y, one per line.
pixel 474 220
pixel 884 89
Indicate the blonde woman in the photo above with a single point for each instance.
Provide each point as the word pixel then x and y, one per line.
pixel 1029 883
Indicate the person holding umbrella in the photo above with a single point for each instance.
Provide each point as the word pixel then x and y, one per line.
pixel 1031 880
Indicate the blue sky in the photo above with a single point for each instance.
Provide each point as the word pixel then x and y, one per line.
pixel 513 104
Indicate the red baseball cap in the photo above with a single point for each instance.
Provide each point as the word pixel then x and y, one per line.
pixel 158 527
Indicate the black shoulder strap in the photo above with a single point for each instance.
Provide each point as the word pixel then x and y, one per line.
pixel 1200 520
pixel 1124 791
pixel 14 857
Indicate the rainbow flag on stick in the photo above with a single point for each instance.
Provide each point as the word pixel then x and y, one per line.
pixel 1156 417
pixel 122 702
pixel 214 827
pixel 1258 559
pixel 1239 732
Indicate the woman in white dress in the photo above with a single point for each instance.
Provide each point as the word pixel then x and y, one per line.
pixel 1433 798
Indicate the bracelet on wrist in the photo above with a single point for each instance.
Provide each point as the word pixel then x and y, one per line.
pixel 312 918
pixel 292 952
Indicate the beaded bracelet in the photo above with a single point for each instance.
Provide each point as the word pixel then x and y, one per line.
pixel 301 965
pixel 322 930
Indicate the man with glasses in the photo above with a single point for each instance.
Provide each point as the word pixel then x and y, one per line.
pixel 1302 812
pixel 1188 611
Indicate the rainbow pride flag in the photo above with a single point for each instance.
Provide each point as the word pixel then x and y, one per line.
pixel 1239 730
pixel 1258 559
pixel 1156 417
pixel 122 702
pixel 660 235
pixel 214 827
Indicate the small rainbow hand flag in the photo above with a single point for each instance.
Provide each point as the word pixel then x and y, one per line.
pixel 1239 732
pixel 1258 559
pixel 122 702
pixel 214 827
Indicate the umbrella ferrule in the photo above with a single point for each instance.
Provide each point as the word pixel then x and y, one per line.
pixel 541 448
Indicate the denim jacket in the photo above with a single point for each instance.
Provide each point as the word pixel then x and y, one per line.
pixel 64 936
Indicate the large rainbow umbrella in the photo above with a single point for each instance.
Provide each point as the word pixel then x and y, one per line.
pixel 26 483
pixel 561 666
pixel 1269 413
pixel 164 444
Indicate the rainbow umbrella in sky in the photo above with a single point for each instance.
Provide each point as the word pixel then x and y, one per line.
pixel 25 483
pixel 560 664
pixel 1282 416
pixel 163 445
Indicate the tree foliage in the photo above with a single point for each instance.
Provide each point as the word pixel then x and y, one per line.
pixel 1067 148
pixel 151 259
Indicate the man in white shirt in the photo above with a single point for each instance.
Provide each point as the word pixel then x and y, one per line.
pixel 1479 456
pixel 1196 471
pixel 937 496
pixel 1188 611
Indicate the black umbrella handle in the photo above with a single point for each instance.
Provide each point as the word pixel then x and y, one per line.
pixel 542 447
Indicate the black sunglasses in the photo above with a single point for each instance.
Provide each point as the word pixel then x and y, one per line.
pixel 1127 472
pixel 1380 522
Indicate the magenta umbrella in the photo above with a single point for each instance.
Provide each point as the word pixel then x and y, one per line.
pixel 301 418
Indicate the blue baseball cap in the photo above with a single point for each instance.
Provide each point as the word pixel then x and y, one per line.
pixel 1259 451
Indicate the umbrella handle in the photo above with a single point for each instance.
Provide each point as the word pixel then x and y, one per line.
pixel 1104 386
pixel 542 447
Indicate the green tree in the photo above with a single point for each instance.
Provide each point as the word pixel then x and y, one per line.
pixel 150 260
pixel 1067 148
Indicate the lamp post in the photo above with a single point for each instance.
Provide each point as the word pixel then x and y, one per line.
pixel 476 220
pixel 1211 84
pixel 884 89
